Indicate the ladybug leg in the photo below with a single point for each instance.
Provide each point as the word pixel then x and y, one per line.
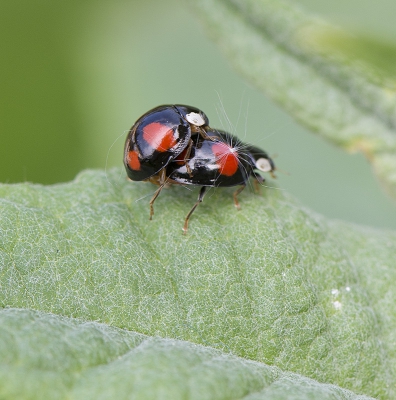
pixel 256 184
pixel 236 202
pixel 186 157
pixel 258 180
pixel 161 181
pixel 204 135
pixel 200 198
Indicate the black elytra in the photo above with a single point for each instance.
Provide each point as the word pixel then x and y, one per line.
pixel 159 136
pixel 224 161
pixel 173 144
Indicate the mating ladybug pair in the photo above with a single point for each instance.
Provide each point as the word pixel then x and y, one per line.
pixel 173 144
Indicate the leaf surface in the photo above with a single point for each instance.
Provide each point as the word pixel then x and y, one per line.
pixel 273 283
pixel 85 360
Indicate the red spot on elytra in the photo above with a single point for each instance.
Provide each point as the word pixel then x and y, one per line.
pixel 133 160
pixel 159 136
pixel 226 159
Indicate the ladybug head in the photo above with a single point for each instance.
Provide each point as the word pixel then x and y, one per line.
pixel 261 160
pixel 265 164
pixel 193 115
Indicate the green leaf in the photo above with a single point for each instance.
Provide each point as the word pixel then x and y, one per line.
pixel 95 361
pixel 272 283
pixel 338 85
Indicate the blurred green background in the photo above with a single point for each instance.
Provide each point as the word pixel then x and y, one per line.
pixel 75 76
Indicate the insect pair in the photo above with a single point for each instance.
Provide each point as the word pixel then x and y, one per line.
pixel 174 144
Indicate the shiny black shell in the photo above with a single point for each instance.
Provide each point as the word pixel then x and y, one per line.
pixel 158 137
pixel 247 151
pixel 225 161
pixel 212 163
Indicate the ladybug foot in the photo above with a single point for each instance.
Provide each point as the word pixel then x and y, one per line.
pixel 236 202
pixel 200 198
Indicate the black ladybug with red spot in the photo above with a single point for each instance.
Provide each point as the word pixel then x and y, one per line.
pixel 174 144
pixel 159 136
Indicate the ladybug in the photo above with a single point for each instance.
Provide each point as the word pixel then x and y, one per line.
pixel 222 161
pixel 159 136
pixel 173 144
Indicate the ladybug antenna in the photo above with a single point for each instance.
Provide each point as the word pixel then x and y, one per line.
pixel 283 171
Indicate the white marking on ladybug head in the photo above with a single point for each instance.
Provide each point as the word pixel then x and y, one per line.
pixel 263 164
pixel 195 119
